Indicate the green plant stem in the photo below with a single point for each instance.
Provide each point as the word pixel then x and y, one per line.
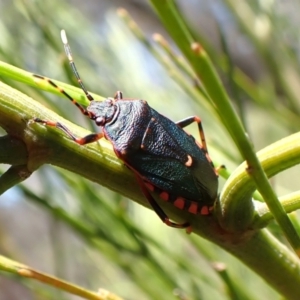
pixel 9 71
pixel 12 151
pixel 277 58
pixel 235 292
pixel 13 176
pixel 205 71
pixel 98 163
pixel 290 202
pixel 275 158
pixel 173 65
pixel 14 267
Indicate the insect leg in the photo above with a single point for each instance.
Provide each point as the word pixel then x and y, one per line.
pixel 90 138
pixel 118 95
pixel 157 208
pixel 185 122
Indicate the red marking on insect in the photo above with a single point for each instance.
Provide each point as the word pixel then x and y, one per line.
pixel 193 209
pixel 164 196
pixel 179 202
pixel 189 161
pixel 205 210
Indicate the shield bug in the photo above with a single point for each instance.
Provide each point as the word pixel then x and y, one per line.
pixel 164 158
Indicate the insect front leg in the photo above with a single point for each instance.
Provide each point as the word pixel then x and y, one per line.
pixel 90 138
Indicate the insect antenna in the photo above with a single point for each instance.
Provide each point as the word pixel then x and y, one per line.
pixel 72 64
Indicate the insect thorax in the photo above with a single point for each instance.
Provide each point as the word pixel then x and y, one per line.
pixel 127 129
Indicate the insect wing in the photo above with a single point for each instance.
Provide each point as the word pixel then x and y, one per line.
pixel 171 160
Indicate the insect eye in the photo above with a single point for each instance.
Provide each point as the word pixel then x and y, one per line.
pixel 99 121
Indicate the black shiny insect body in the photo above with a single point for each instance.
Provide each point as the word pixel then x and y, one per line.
pixel 164 158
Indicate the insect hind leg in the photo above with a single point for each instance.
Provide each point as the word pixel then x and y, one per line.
pixel 185 122
pixel 157 208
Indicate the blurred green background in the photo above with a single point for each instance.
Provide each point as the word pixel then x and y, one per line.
pixel 62 224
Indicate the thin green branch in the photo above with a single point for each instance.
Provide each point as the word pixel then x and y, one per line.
pixel 9 71
pixel 290 202
pixel 13 176
pixel 275 158
pixel 12 151
pixel 175 65
pixel 14 267
pixel 277 58
pixel 234 290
